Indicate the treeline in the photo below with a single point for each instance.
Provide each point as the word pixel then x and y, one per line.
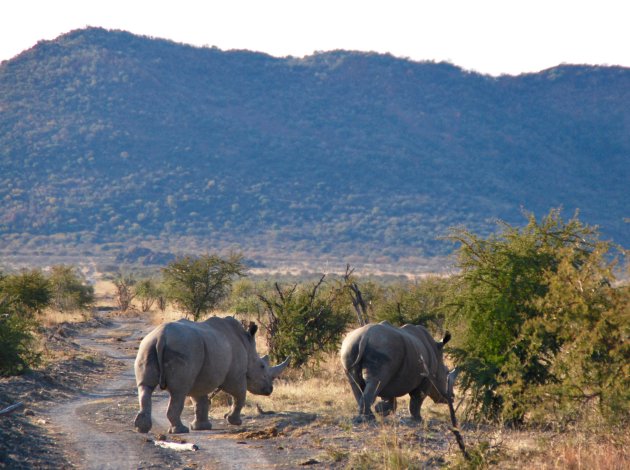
pixel 540 322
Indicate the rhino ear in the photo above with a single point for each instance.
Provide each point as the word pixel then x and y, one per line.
pixel 253 328
pixel 447 338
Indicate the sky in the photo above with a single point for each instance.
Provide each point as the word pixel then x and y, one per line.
pixel 488 36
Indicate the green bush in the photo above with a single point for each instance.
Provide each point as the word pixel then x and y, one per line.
pixel 30 289
pixel 17 352
pixel 243 298
pixel 69 290
pixel 148 292
pixel 540 326
pixel 302 322
pixel 419 303
pixel 198 284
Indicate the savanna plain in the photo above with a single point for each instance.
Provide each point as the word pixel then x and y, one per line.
pixel 306 423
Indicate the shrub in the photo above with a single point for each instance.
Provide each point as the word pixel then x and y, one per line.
pixel 301 321
pixel 419 303
pixel 197 285
pixel 243 298
pixel 125 291
pixel 543 328
pixel 148 292
pixel 69 290
pixel 17 353
pixel 30 289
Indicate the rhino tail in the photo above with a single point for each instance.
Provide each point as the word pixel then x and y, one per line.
pixel 362 345
pixel 160 345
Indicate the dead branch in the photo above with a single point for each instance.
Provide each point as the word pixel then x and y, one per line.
pixel 455 430
pixel 176 445
pixel 360 307
pixel 11 409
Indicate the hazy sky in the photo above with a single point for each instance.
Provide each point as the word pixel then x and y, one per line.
pixel 489 36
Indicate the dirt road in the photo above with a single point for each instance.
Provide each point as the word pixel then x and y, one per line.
pixel 97 425
pixel 82 411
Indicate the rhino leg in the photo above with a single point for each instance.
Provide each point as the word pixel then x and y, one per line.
pixel 386 406
pixel 143 418
pixel 234 415
pixel 174 413
pixel 366 400
pixel 202 406
pixel 356 384
pixel 415 403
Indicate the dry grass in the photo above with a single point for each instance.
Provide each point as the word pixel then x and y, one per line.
pixel 313 408
pixel 52 318
pixel 578 450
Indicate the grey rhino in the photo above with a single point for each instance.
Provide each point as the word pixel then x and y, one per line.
pixel 386 361
pixel 196 358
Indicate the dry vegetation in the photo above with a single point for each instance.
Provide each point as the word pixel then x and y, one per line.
pixel 313 408
pixel 310 415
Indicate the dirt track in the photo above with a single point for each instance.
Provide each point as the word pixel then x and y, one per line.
pixel 81 412
pixel 98 425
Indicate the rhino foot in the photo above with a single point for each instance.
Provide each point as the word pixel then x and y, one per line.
pixel 201 425
pixel 235 420
pixel 143 422
pixel 364 419
pixel 384 408
pixel 179 429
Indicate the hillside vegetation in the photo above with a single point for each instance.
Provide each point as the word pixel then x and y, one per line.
pixel 110 141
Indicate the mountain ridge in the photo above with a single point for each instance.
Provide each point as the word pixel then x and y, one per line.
pixel 108 139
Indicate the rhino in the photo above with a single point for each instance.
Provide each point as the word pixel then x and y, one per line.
pixel 195 359
pixel 382 360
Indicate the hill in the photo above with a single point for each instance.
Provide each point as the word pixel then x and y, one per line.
pixel 110 141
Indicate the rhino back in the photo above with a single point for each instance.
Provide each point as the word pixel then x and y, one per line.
pixel 193 353
pixel 394 357
pixel 425 345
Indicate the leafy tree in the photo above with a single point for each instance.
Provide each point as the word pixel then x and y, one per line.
pixel 69 290
pixel 198 284
pixel 301 321
pixel 540 323
pixel 29 288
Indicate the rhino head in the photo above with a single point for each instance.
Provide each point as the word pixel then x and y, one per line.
pixel 441 387
pixel 260 373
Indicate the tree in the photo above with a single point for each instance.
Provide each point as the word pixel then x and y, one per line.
pixel 537 316
pixel 69 291
pixel 301 321
pixel 198 284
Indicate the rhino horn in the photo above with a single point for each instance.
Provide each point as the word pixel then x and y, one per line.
pixel 450 380
pixel 277 370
